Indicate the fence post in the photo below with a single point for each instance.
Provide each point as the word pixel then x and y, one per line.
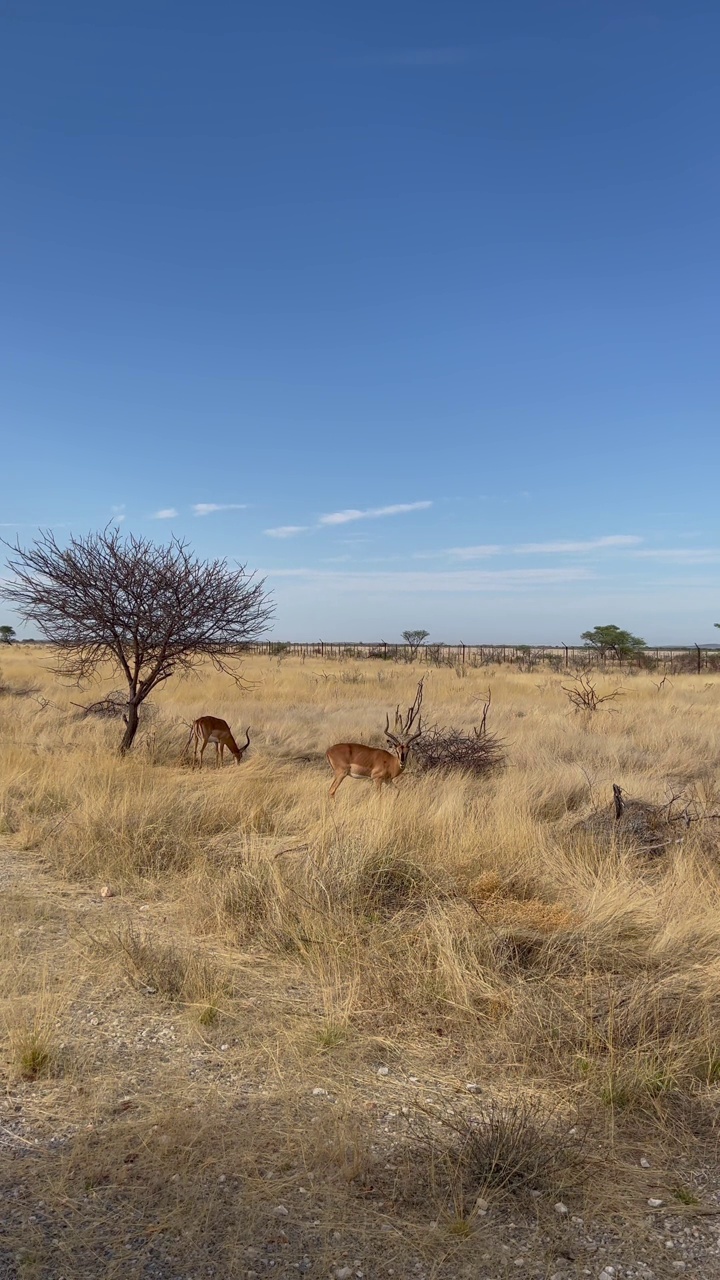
pixel 463 654
pixel 699 658
pixel 567 655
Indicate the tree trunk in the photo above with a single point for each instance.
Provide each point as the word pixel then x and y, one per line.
pixel 132 721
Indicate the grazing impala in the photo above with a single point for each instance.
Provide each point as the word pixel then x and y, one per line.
pixel 211 729
pixel 358 761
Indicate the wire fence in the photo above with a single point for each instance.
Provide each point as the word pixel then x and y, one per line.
pixel 688 658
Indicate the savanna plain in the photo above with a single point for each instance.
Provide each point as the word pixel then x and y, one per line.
pixel 464 1026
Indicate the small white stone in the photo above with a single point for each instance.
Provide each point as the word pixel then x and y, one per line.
pixel 561 1209
pixel 222 1178
pixel 656 1204
pixel 473 1087
pixel 382 1071
pixel 107 892
pixel 644 1164
pixel 481 1205
pixel 607 1273
pixel 281 1211
pixel 319 1093
pixel 343 1273
pixel 224 1046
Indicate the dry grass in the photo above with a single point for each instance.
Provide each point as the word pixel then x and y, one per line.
pixel 455 929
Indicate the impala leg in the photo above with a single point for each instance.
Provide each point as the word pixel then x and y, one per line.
pixel 195 751
pixel 202 749
pixel 337 780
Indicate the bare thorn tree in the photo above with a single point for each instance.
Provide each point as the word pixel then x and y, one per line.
pixel 150 610
pixel 584 696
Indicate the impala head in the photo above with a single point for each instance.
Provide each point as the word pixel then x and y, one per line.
pixel 241 750
pixel 402 746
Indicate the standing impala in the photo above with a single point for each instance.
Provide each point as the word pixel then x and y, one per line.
pixel 211 729
pixel 358 761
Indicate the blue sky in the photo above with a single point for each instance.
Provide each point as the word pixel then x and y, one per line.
pixel 411 306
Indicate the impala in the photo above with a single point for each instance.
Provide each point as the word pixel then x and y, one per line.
pixel 358 761
pixel 211 729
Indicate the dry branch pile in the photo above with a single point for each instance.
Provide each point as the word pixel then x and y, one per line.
pixel 450 748
pixel 644 826
pixel 444 747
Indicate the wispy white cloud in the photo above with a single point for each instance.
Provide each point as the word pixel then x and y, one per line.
pixel 484 550
pixel 458 580
pixel 208 508
pixel 118 512
pixel 165 513
pixel 474 553
pixel 681 555
pixel 286 531
pixel 592 544
pixel 372 513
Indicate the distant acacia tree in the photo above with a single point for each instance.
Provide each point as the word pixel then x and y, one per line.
pixel 611 639
pixel 150 610
pixel 415 639
pixel 7 635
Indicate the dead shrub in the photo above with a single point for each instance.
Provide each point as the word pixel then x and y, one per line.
pixel 584 696
pixel 170 970
pixel 635 825
pixel 477 752
pixel 502 1146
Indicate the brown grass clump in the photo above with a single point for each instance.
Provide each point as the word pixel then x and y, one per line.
pixel 502 1146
